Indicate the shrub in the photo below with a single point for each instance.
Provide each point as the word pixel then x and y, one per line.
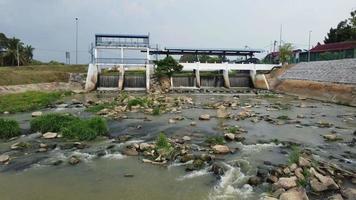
pixel 135 102
pixel 167 67
pixel 214 140
pixel 52 122
pixel 156 111
pixel 233 129
pixel 99 125
pixel 162 141
pixel 70 126
pixel 294 155
pixel 9 128
pixel 80 130
pixel 99 107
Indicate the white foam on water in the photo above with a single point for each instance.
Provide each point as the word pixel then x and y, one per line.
pixel 114 156
pixel 231 186
pixel 178 164
pixel 255 148
pixel 194 174
pixel 86 157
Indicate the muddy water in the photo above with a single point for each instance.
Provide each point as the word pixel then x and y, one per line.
pixel 115 176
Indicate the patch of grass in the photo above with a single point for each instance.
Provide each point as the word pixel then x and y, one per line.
pixel 283 117
pixel 99 107
pixel 80 130
pixel 214 140
pixel 99 125
pixel 156 111
pixel 294 155
pixel 139 101
pixel 302 183
pixel 268 95
pixel 233 129
pixel 53 122
pixel 38 74
pixel 28 101
pixel 9 128
pixel 162 141
pixel 70 126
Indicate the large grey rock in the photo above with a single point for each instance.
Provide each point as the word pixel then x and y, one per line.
pixel 49 135
pixel 294 194
pixel 204 117
pixel 4 158
pixel 221 112
pixel 221 149
pixel 287 183
pixel 349 193
pixel 36 114
pixel 321 183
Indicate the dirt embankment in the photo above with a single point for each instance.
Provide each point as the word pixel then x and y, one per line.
pixel 324 91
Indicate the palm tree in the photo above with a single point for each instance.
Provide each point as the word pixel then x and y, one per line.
pixel 28 53
pixel 13 46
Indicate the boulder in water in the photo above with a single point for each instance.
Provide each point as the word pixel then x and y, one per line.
pixel 36 114
pixel 4 158
pixel 221 149
pixel 49 135
pixel 294 194
pixel 74 160
pixel 204 117
pixel 287 183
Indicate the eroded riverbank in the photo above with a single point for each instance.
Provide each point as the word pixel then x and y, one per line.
pixel 272 124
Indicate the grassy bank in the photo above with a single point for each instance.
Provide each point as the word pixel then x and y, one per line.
pixel 28 101
pixel 38 74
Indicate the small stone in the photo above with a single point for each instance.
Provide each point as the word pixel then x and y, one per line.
pixel 74 160
pixel 254 180
pixel 278 192
pixel 19 145
pixel 221 149
pixel 221 112
pixel 172 121
pixel 144 146
pixel 129 175
pixel 299 173
pixel 4 158
pixel 36 114
pixel 49 135
pixel 6 112
pixel 229 136
pixel 336 197
pixel 193 123
pixel 294 194
pixel 130 152
pixel 42 150
pixel 286 171
pixel 272 179
pixel 42 145
pixel 287 183
pixel 186 138
pixel 331 137
pixel 349 193
pixel 204 117
pixel 293 167
pixel 303 162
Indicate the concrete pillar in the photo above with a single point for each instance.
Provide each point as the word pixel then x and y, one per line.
pixel 147 77
pixel 226 78
pixel 253 77
pixel 122 77
pixel 92 78
pixel 197 77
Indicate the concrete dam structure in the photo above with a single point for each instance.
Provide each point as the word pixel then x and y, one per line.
pixel 123 62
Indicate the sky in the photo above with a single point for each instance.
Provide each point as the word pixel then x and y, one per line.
pixel 49 25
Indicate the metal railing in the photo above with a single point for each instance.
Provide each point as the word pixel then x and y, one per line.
pixel 125 61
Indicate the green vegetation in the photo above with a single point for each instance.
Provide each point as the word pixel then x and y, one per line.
pixel 294 155
pixel 139 101
pixel 345 31
pixel 38 74
pixel 167 67
pixel 16 51
pixel 233 129
pixel 304 182
pixel 162 142
pixel 70 126
pixel 53 122
pixel 156 111
pixel 202 58
pixel 283 117
pixel 285 53
pixel 28 101
pixel 9 128
pixel 214 140
pixel 99 107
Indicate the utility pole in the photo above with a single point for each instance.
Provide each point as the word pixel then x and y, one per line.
pixel 76 41
pixel 309 46
pixel 280 37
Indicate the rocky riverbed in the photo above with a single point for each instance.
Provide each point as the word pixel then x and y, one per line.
pixel 188 146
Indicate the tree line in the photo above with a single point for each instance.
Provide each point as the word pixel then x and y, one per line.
pixel 14 52
pixel 344 31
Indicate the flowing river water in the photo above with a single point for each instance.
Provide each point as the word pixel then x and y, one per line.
pixel 31 176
